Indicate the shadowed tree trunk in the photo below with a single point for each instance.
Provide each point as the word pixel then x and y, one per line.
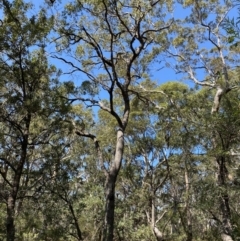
pixel 11 200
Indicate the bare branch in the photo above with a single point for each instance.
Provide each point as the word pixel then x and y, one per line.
pixel 196 81
pixel 8 163
pixel 96 142
pixel 159 219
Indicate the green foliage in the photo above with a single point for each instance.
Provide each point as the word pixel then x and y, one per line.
pixel 54 132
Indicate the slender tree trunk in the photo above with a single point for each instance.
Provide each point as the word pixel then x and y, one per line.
pixel 79 233
pixel 224 201
pixel 158 234
pixel 188 228
pixel 226 226
pixel 10 219
pixel 11 202
pixel 110 206
pixel 111 177
pixel 110 188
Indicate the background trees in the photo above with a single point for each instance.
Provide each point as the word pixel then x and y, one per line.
pixel 109 153
pixel 24 80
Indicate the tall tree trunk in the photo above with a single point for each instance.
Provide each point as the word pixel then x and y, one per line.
pixel 109 208
pixel 226 226
pixel 11 202
pixel 110 188
pixel 111 178
pixel 188 228
pixel 224 201
pixel 76 224
pixel 10 219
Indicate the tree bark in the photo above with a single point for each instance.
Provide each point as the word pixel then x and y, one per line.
pixel 226 226
pixel 11 202
pixel 10 219
pixel 108 232
pixel 188 228
pixel 158 234
pixel 79 233
pixel 110 206
pixel 224 201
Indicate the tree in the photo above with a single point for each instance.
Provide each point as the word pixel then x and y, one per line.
pixel 24 111
pixel 117 40
pixel 100 151
pixel 215 59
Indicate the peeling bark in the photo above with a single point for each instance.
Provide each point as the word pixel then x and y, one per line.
pixel 217 98
pixel 158 234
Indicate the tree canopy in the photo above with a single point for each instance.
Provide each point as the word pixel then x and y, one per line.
pixel 119 120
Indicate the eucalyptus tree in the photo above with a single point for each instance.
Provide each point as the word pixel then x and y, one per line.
pixel 177 130
pixel 186 126
pixel 25 103
pixel 161 167
pixel 109 43
pixel 201 50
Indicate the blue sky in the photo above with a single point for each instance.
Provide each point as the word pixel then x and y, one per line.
pixel 159 73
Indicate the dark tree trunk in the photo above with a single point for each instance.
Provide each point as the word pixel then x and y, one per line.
pixel 11 200
pixel 10 219
pixel 79 233
pixel 110 206
pixel 224 201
